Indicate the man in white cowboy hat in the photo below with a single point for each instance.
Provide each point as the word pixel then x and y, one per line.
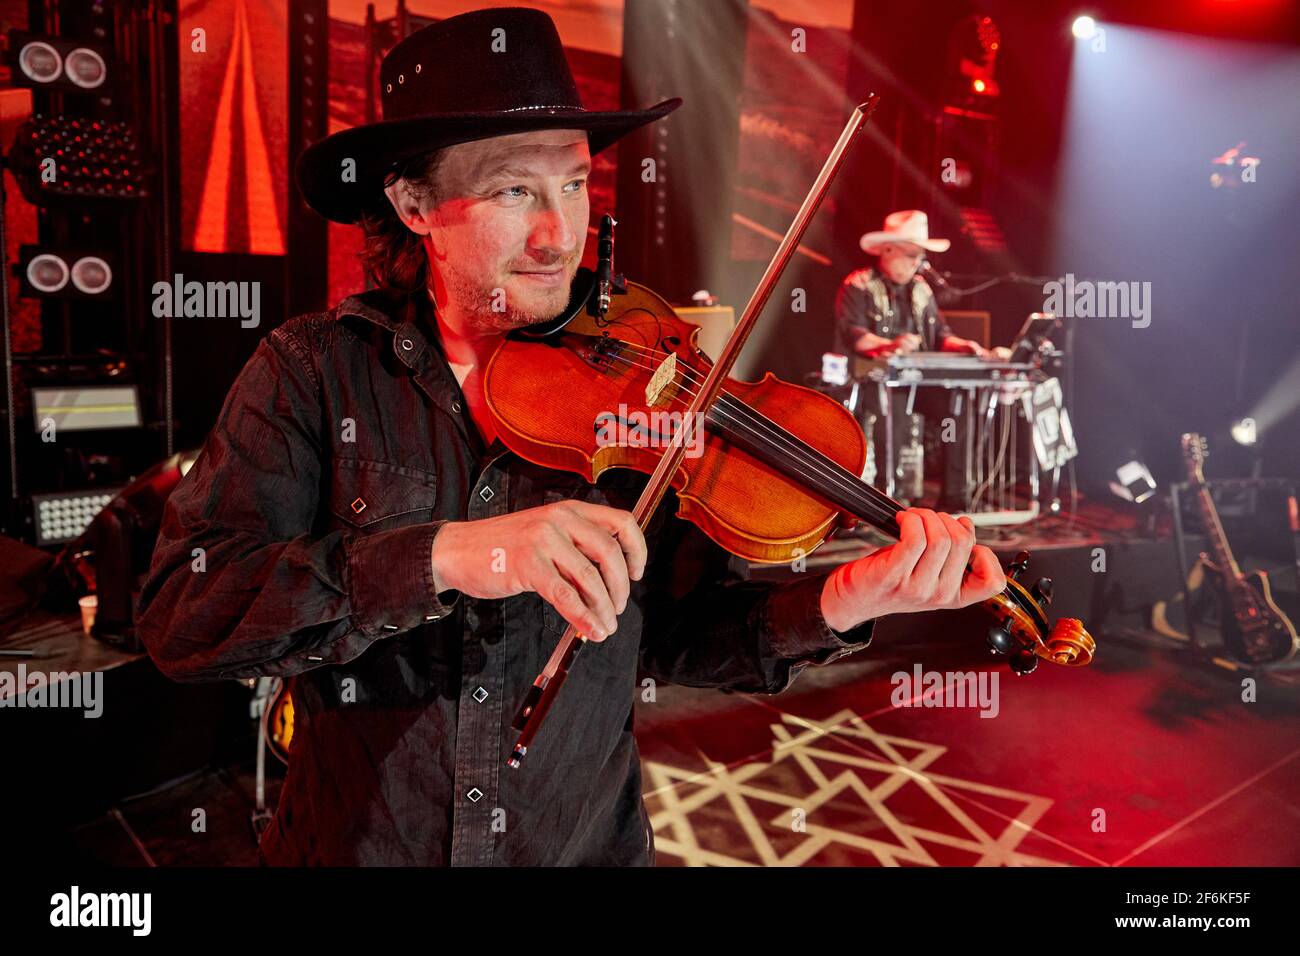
pixel 887 309
pixel 366 533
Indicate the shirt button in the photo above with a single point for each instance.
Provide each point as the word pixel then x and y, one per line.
pixel 480 695
pixel 407 344
pixel 455 407
pixel 475 795
pixel 487 493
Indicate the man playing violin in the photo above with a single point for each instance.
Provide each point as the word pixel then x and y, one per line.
pixel 366 533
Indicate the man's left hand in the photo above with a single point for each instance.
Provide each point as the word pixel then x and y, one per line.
pixel 935 565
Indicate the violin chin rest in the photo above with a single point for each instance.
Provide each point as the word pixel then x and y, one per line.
pixel 584 284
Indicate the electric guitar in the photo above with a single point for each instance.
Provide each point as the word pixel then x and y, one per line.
pixel 1255 631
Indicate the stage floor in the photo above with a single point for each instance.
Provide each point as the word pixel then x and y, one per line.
pixel 1156 754
pixel 1149 757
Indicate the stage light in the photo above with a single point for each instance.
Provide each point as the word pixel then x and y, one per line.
pixel 1135 482
pixel 62 516
pixel 47 273
pixel 1084 28
pixel 92 275
pixel 86 68
pixel 58 64
pixel 1244 432
pixel 92 159
pixel 39 62
pixel 67 273
pixel 1280 400
pixel 1233 168
pixel 973 52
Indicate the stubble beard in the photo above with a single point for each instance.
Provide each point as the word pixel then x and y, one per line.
pixel 479 305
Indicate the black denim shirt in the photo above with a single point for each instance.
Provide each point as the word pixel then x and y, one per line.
pixel 869 301
pixel 299 545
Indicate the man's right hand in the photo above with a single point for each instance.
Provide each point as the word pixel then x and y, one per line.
pixel 578 556
pixel 876 346
pixel 907 342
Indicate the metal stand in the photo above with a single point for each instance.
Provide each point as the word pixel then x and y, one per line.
pixel 11 429
pixel 264 691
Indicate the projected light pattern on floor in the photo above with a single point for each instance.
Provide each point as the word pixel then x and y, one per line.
pixel 837 792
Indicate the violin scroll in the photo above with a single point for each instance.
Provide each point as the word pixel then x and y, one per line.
pixel 1023 634
pixel 1070 643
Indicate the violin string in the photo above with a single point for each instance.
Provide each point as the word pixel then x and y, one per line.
pixel 885 508
pixel 874 503
pixel 792 442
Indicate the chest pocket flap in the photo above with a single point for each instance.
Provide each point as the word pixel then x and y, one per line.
pixel 374 495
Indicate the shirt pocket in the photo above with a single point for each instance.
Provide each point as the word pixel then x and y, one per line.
pixel 372 496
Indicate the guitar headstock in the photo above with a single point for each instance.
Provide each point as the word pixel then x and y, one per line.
pixel 1024 634
pixel 1195 451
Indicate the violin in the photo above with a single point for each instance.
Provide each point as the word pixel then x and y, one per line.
pixel 767 469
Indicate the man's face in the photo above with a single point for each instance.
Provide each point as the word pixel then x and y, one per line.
pixel 507 226
pixel 900 260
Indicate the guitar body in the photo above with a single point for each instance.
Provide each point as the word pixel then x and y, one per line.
pixel 1255 631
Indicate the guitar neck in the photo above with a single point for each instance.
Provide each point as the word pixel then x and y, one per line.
pixel 1214 529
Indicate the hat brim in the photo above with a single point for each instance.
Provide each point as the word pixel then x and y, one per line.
pixel 872 241
pixel 376 147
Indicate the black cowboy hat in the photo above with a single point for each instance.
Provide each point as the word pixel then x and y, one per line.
pixel 470 77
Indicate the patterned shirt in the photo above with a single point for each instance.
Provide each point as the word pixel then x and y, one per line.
pixel 870 302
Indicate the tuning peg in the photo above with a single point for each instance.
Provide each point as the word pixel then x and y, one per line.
pixel 1023 662
pixel 1018 566
pixel 1000 639
pixel 1042 592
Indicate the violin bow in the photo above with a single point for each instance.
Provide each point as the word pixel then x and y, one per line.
pixel 548 683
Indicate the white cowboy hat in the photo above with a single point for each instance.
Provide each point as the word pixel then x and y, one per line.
pixel 906 225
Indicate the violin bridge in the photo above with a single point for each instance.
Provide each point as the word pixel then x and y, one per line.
pixel 664 376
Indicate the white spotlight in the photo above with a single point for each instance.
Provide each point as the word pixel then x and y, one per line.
pixel 1084 27
pixel 1135 482
pixel 1243 431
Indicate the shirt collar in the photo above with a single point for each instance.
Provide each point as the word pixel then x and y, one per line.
pixel 891 284
pixel 417 346
pixel 375 306
pixel 415 340
pixel 408 317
